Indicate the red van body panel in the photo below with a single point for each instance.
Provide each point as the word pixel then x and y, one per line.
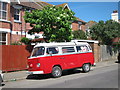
pixel 67 61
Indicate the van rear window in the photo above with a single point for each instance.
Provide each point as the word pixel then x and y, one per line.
pixel 68 49
pixel 82 48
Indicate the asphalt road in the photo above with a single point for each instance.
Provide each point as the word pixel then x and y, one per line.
pixel 102 77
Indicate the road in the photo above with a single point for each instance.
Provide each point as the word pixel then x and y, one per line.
pixel 102 77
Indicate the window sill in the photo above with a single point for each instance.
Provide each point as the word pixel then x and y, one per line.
pixel 2 20
pixel 16 21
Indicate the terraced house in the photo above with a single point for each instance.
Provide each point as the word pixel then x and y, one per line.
pixel 12 24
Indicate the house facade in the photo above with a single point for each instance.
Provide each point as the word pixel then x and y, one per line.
pixel 78 24
pixel 12 23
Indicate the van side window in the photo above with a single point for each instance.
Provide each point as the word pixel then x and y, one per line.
pixel 82 48
pixel 68 49
pixel 54 50
pixel 38 51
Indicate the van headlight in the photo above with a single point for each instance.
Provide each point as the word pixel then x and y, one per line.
pixel 38 64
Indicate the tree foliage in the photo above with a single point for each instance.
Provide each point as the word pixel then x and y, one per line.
pixel 53 21
pixel 105 32
pixel 79 34
pixel 25 40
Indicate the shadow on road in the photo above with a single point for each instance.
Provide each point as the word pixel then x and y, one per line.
pixel 48 76
pixel 39 77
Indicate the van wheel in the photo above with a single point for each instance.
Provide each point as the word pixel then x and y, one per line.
pixel 86 67
pixel 56 72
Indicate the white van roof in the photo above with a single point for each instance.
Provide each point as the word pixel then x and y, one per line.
pixel 61 44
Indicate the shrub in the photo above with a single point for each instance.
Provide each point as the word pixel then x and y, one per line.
pixel 16 43
pixel 25 40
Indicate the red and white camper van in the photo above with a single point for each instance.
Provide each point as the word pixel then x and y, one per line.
pixel 55 57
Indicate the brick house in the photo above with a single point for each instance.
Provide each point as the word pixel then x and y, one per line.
pixel 12 24
pixel 78 25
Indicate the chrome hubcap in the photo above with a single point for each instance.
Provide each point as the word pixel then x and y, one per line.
pixel 57 72
pixel 87 67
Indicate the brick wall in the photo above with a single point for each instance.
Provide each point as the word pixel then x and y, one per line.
pixel 16 26
pixel 96 51
pixel 83 27
pixel 103 52
pixel 16 38
pixel 8 38
pixel 5 25
pixel 8 15
pixel 75 26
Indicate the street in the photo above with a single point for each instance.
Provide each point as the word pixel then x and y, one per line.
pixel 102 77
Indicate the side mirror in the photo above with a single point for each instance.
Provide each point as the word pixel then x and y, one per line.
pixel 50 52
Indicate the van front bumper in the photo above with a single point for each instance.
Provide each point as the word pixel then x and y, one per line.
pixel 35 72
pixel 94 64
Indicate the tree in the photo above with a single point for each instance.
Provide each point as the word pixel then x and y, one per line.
pixel 105 32
pixel 53 21
pixel 25 40
pixel 79 34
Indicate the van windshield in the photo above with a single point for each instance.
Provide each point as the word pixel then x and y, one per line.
pixel 38 51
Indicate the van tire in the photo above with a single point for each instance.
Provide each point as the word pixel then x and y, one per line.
pixel 56 72
pixel 86 67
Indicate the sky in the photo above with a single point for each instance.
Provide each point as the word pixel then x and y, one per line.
pixel 95 11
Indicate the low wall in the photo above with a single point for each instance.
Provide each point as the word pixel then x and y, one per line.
pixel 107 53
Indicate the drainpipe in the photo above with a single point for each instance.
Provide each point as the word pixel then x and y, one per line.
pixel 21 22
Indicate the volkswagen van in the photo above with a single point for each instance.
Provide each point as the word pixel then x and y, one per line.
pixel 55 57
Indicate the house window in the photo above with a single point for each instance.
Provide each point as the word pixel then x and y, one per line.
pixel 2 38
pixel 3 10
pixel 28 10
pixel 17 14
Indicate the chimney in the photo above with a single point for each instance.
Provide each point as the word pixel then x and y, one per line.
pixel 115 11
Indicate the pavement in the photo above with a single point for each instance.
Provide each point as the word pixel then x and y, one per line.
pixel 19 75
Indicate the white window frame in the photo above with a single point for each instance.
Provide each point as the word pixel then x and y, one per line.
pixel 17 14
pixel 1 18
pixel 5 37
pixel 18 8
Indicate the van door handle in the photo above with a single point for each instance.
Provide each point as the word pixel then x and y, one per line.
pixel 62 57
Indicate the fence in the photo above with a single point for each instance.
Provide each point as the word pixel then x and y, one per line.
pixel 103 52
pixel 14 57
pixel 107 53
